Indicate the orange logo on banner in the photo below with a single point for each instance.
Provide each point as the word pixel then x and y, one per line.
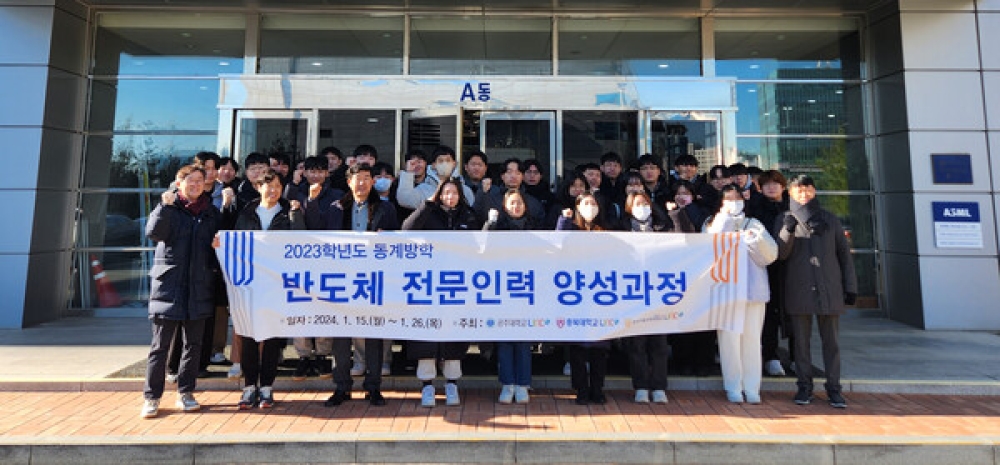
pixel 725 264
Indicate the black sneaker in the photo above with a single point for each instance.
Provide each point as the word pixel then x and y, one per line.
pixel 323 367
pixel 597 397
pixel 249 398
pixel 582 397
pixel 301 369
pixel 836 399
pixel 338 397
pixel 375 398
pixel 804 396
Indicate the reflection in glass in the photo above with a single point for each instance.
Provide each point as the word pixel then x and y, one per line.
pixel 587 135
pixel 274 136
pixel 118 219
pixel 629 47
pixel 154 105
pixel 480 46
pixel 799 109
pixel 837 164
pixel 856 213
pixel 128 273
pixel 322 44
pixel 347 129
pixel 788 48
pixel 676 135
pixel 168 44
pixel 520 139
pixel 140 160
pixel 866 266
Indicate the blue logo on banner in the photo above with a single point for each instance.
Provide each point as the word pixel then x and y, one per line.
pixel 956 212
pixel 239 257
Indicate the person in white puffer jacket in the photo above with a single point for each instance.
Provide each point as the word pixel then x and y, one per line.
pixel 739 352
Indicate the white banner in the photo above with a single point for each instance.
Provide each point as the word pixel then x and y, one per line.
pixel 482 286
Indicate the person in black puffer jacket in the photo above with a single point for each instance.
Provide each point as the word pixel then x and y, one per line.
pixel 446 210
pixel 182 294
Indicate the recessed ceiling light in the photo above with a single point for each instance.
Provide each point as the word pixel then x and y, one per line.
pixel 811 100
pixel 831 116
pixel 223 63
pixel 663 65
pixel 754 66
pixel 185 34
pixel 752 91
pixel 316 63
pixel 840 91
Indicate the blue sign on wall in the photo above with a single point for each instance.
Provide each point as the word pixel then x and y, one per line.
pixel 951 168
pixel 956 212
pixel 957 226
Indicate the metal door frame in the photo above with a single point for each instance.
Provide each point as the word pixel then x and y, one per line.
pixel 723 143
pixel 555 146
pixel 312 127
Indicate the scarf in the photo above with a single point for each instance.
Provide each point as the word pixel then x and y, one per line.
pixel 809 215
pixel 642 226
pixel 197 206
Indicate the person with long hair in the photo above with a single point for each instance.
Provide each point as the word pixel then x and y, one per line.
pixel 446 210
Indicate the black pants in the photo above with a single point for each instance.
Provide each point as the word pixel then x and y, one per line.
pixel 694 350
pixel 829 328
pixel 582 378
pixel 342 364
pixel 259 360
pixel 770 336
pixel 204 356
pixel 190 332
pixel 647 360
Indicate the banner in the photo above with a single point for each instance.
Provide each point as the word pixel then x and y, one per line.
pixel 482 286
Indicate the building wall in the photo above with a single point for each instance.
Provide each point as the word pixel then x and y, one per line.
pixel 43 90
pixel 943 96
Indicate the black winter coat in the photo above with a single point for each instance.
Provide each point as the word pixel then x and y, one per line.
pixel 184 268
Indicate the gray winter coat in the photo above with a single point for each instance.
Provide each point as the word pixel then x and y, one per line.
pixel 818 269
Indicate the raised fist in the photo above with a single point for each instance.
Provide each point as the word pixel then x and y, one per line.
pixel 228 196
pixel 314 190
pixel 567 212
pixel 487 183
pixel 493 215
pixel 168 197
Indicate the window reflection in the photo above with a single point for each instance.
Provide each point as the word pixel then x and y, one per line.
pixel 321 44
pixel 480 46
pixel 168 44
pixel 589 134
pixel 147 105
pixel 140 160
pixel 835 163
pixel 630 47
pixel 799 48
pixel 799 109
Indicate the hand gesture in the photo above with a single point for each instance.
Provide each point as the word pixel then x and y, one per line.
pixel 746 194
pixel 567 213
pixel 671 206
pixel 487 183
pixel 228 197
pixel 168 197
pixel 790 222
pixel 750 236
pixel 216 242
pixel 295 205
pixel 494 215
pixel 314 190
pixel 297 175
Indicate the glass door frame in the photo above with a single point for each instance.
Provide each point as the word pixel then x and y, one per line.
pixel 403 132
pixel 555 142
pixel 312 127
pixel 721 143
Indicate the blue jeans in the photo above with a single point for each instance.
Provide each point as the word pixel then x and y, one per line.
pixel 514 363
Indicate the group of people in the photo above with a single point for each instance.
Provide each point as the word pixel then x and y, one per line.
pixel 800 266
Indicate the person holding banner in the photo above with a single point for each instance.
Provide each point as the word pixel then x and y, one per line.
pixel 647 354
pixel 513 358
pixel 363 211
pixel 739 352
pixel 446 210
pixel 260 358
pixel 182 293
pixel 819 280
pixel 588 360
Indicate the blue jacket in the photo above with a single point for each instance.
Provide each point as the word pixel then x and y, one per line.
pixel 184 264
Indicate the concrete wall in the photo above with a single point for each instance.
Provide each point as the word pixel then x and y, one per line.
pixel 947 87
pixel 43 90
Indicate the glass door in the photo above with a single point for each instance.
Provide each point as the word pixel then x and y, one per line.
pixel 427 129
pixel 292 132
pixel 521 135
pixel 672 134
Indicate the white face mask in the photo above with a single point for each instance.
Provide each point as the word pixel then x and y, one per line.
pixel 588 212
pixel 444 169
pixel 733 207
pixel 642 212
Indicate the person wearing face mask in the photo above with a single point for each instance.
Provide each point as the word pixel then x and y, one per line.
pixel 412 196
pixel 446 210
pixel 513 358
pixel 647 354
pixel 739 352
pixel 588 360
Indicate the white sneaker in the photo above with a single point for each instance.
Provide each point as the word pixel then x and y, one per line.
pixel 386 369
pixel 753 398
pixel 150 408
pixel 659 396
pixel 427 396
pixel 521 395
pixel 735 397
pixel 506 394
pixel 187 403
pixel 218 357
pixel 773 368
pixel 451 394
pixel 235 372
pixel 357 369
pixel 642 396
pixel 567 370
pixel 172 378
